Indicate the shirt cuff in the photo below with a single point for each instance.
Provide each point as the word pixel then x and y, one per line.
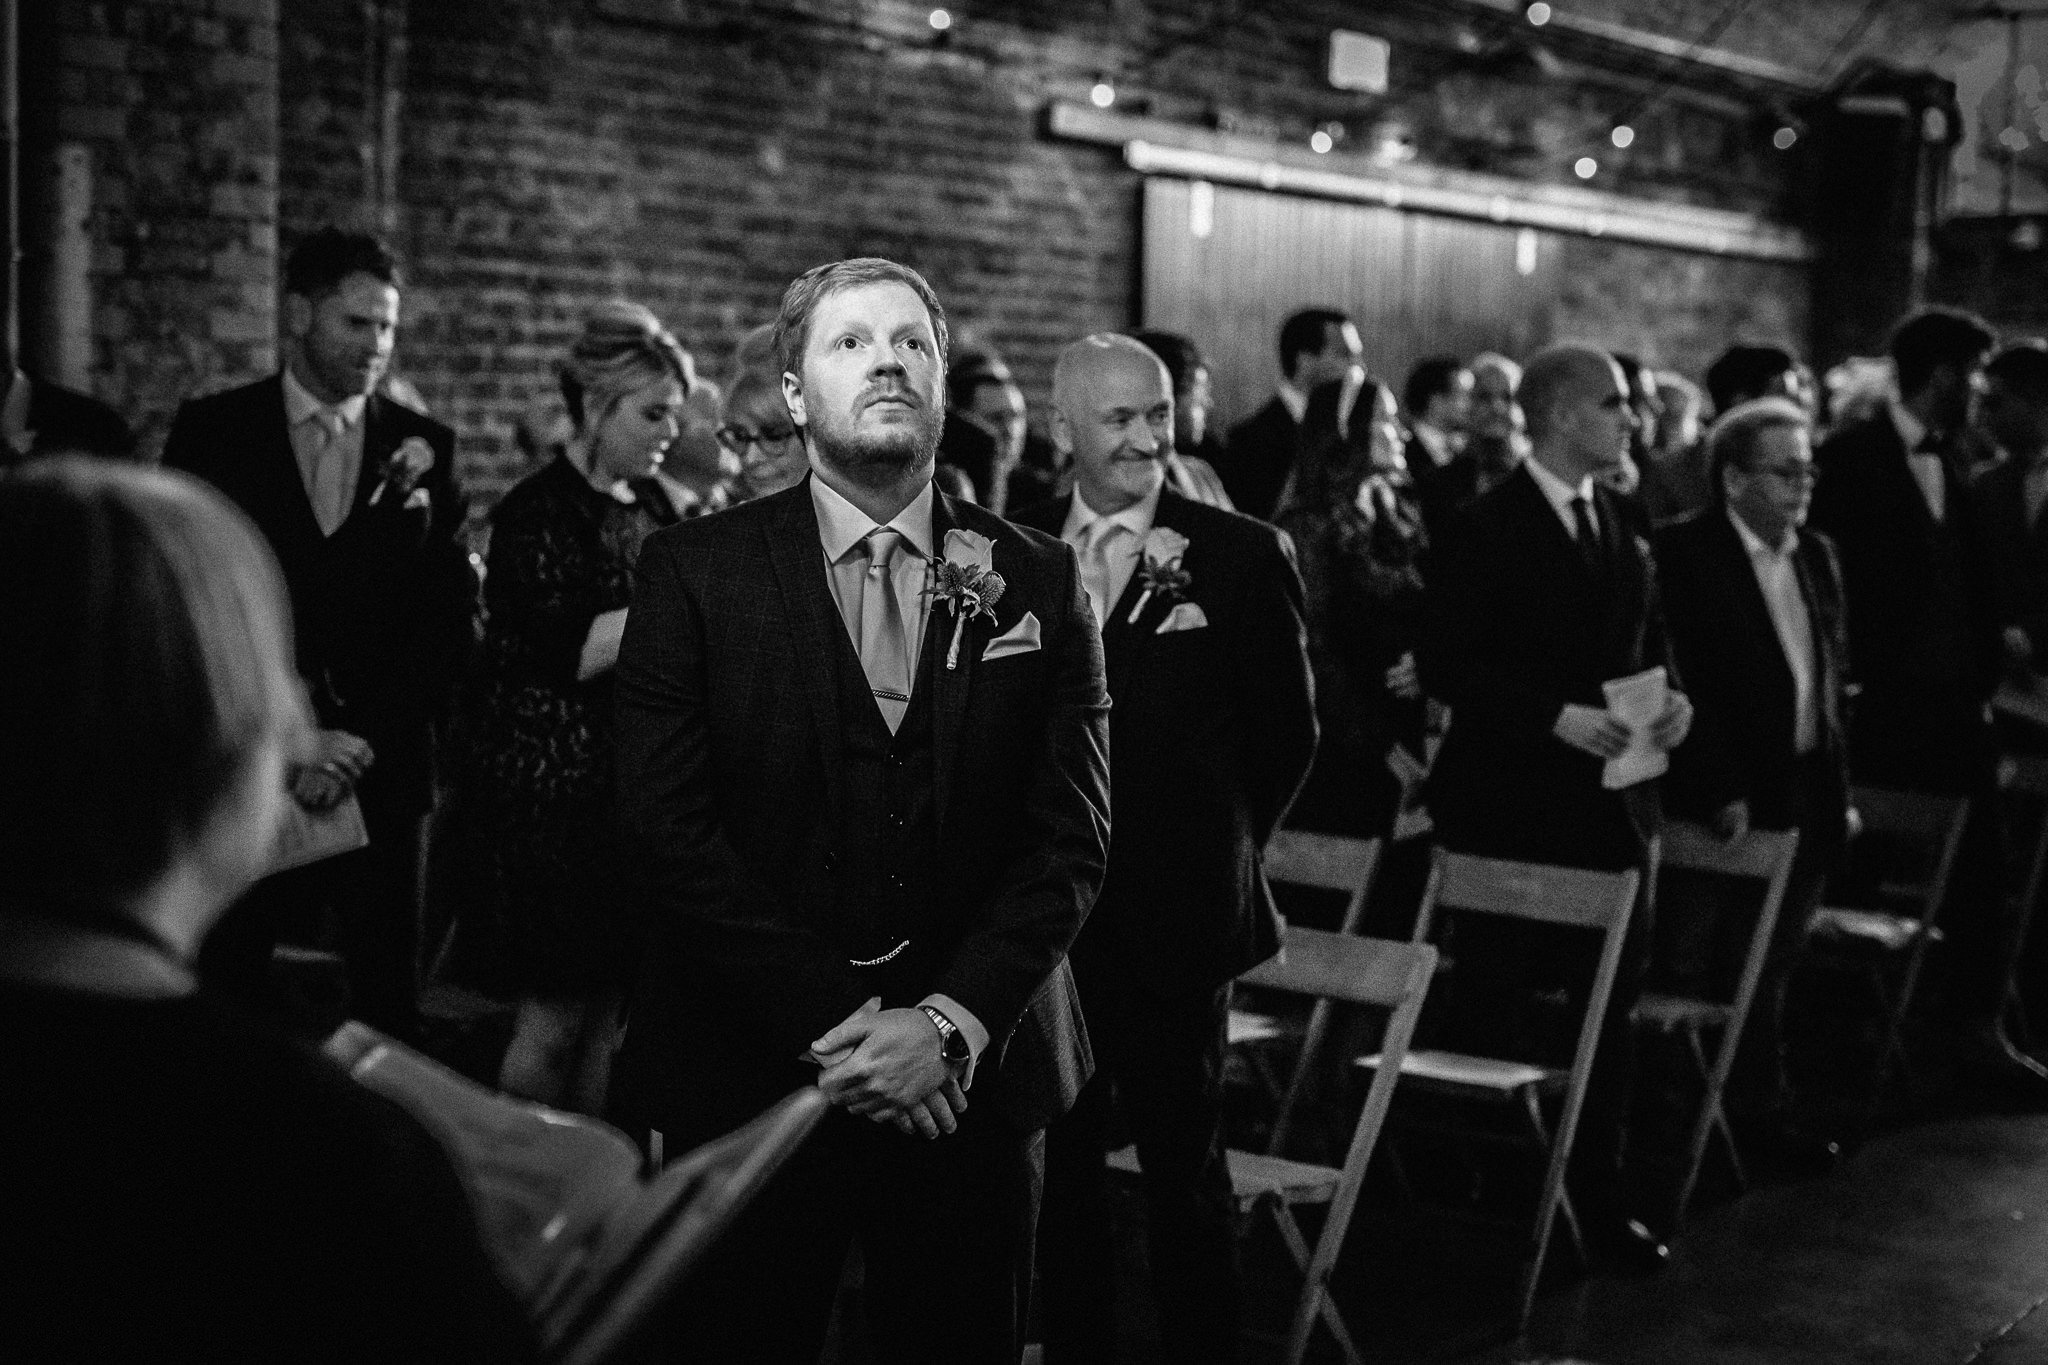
pixel 970 1028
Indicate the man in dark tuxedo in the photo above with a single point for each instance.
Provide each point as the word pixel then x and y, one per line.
pixel 2007 499
pixel 1756 616
pixel 870 792
pixel 1212 725
pixel 1537 594
pixel 1317 345
pixel 1924 634
pixel 1438 399
pixel 356 495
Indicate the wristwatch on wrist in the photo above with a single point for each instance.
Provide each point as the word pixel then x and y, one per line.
pixel 953 1047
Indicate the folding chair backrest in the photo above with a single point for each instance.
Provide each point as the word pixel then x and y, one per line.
pixel 1327 862
pixel 1922 819
pixel 1533 891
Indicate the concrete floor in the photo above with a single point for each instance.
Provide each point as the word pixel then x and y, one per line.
pixel 1930 1245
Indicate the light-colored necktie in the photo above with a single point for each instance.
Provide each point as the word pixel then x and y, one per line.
pixel 330 498
pixel 1096 574
pixel 884 644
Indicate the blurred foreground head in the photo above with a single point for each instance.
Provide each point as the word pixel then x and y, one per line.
pixel 146 673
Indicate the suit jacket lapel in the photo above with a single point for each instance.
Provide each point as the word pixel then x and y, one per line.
pixel 799 564
pixel 1740 580
pixel 1820 616
pixel 950 686
pixel 278 470
pixel 379 440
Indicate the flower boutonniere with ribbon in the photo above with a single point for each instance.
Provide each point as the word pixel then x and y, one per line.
pixel 1159 570
pixel 965 579
pixel 403 471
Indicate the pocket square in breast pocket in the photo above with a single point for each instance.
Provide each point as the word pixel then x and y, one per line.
pixel 1185 616
pixel 1021 638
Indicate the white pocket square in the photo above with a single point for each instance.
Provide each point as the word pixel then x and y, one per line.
pixel 1021 638
pixel 1184 616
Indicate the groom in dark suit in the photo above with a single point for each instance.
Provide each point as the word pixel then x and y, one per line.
pixel 357 497
pixel 1212 725
pixel 870 790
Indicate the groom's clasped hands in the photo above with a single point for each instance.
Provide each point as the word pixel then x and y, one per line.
pixel 886 1065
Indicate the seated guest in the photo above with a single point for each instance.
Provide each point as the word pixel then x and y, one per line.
pixel 1190 465
pixel 548 922
pixel 1495 441
pixel 1357 527
pixel 1212 728
pixel 2008 498
pixel 755 426
pixel 1675 480
pixel 1537 594
pixel 1924 634
pixel 1438 398
pixel 1754 607
pixel 357 497
pixel 1744 373
pixel 1317 345
pixel 180 1181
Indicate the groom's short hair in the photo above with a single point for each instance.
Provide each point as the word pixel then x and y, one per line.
pixel 801 299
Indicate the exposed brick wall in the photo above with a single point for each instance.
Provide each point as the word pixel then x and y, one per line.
pixel 531 157
pixel 177 102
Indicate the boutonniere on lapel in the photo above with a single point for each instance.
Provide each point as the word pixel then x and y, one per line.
pixel 403 471
pixel 966 580
pixel 1159 570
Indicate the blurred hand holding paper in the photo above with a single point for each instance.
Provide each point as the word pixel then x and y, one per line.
pixel 1636 701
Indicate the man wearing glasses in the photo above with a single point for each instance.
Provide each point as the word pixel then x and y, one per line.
pixel 1754 608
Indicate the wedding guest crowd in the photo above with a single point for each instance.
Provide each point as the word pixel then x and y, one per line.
pixel 770 754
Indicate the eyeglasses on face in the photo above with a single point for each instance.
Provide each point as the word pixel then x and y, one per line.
pixel 739 438
pixel 1791 473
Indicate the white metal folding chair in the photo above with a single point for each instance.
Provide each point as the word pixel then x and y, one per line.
pixel 1893 940
pixel 1759 856
pixel 1356 971
pixel 1599 901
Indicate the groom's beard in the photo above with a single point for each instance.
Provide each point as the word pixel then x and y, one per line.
pixel 881 457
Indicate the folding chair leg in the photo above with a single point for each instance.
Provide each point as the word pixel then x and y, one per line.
pixel 1716 1116
pixel 1315 1295
pixel 1565 1206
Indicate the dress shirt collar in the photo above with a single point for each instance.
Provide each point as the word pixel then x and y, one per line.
pixel 1754 543
pixel 1435 440
pixel 1912 431
pixel 300 405
pixel 1294 400
pixel 1137 518
pixel 1557 492
pixel 841 525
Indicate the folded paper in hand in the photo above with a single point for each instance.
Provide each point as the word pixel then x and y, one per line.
pixel 1636 701
pixel 307 836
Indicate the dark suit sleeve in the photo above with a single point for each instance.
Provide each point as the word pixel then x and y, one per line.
pixel 1276 687
pixel 1705 773
pixel 698 887
pixel 1461 627
pixel 1044 894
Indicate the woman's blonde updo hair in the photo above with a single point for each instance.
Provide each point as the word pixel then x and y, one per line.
pixel 623 346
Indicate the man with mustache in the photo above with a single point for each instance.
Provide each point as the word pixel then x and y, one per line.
pixel 869 788
pixel 356 495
